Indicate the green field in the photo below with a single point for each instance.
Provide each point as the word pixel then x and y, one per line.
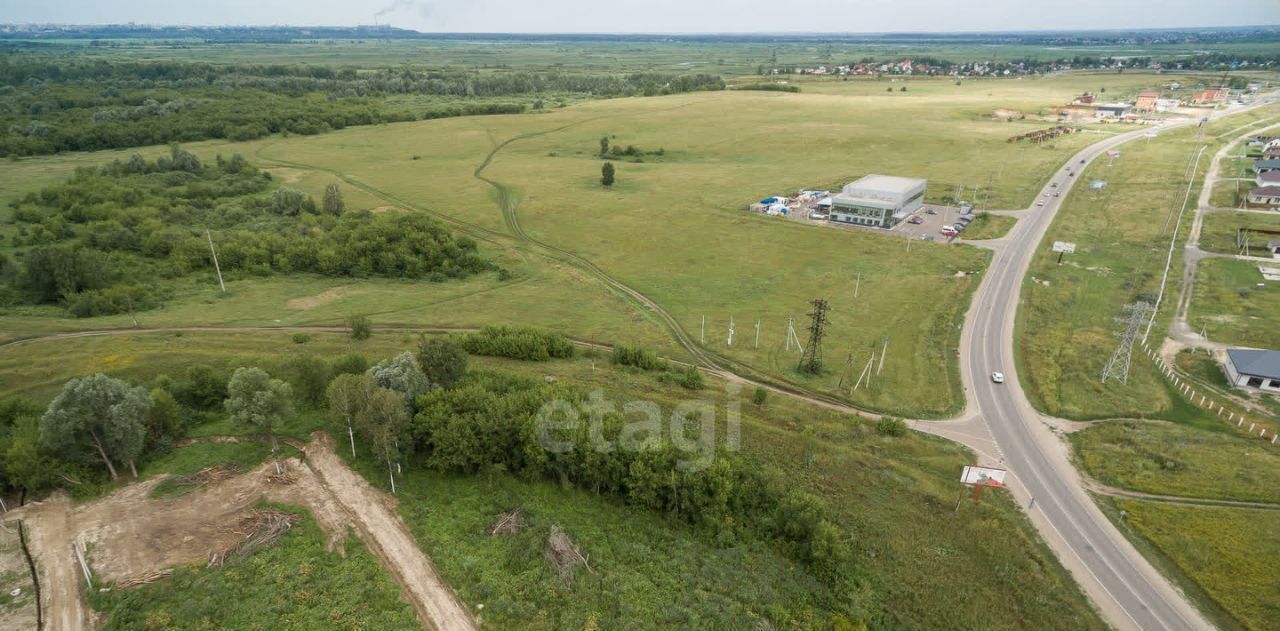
pixel 989 226
pixel 688 201
pixel 1167 459
pixel 1066 326
pixel 1224 552
pixel 297 584
pixel 1232 306
pixel 1218 232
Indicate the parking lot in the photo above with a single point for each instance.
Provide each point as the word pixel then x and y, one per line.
pixel 932 218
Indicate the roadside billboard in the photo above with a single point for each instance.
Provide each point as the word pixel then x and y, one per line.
pixel 983 476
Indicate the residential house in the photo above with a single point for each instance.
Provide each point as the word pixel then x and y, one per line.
pixel 1270 178
pixel 1265 196
pixel 1265 166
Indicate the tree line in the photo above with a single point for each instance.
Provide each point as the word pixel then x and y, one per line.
pixel 52 104
pixel 97 243
pixel 419 408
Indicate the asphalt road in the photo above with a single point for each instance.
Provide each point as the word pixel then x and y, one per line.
pixel 1128 591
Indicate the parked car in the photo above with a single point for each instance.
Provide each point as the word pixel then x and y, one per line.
pixel 931 211
pixel 1057 193
pixel 916 219
pixel 1054 185
pixel 965 220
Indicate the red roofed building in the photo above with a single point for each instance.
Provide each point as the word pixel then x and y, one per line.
pixel 1212 95
pixel 1146 101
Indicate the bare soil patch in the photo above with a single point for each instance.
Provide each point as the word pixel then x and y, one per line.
pixel 128 534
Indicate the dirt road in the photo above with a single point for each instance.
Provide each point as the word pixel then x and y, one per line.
pixel 128 533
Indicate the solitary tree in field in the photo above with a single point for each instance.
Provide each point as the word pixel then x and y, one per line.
pixel 333 203
pixel 606 174
pixel 604 145
pixel 97 418
pixel 442 360
pixel 254 398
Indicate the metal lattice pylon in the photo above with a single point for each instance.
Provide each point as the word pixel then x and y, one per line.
pixel 1118 365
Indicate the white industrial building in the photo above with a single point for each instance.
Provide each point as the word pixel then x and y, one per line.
pixel 878 200
pixel 1248 368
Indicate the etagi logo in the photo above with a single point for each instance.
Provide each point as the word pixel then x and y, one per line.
pixel 691 428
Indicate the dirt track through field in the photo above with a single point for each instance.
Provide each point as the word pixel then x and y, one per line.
pixel 128 533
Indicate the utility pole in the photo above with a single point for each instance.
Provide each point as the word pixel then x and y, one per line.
pixel 883 352
pixel 730 330
pixel 856 284
pixel 811 358
pixel 757 334
pixel 216 267
pixel 702 337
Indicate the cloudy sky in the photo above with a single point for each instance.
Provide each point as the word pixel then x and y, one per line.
pixel 664 16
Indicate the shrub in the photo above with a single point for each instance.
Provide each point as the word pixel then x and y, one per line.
pixel 637 357
pixel 523 343
pixel 308 376
pixel 360 326
pixel 890 426
pixel 759 396
pixel 301 338
pixel 350 364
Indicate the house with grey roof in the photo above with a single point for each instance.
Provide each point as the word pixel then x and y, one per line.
pixel 1265 166
pixel 1250 368
pixel 878 200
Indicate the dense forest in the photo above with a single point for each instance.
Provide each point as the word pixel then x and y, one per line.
pixel 98 242
pixel 49 104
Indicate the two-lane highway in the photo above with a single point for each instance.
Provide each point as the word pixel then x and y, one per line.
pixel 1130 593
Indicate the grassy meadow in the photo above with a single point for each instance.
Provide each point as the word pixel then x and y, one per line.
pixel 1222 555
pixel 1170 459
pixel 1235 304
pixel 1218 232
pixel 1065 329
pixel 673 227
pixel 873 482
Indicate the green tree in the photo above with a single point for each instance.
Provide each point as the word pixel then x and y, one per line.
pixel 97 417
pixel 360 326
pixel 604 145
pixel 25 463
pixel 382 420
pixel 309 377
pixel 606 174
pixel 347 396
pixel 443 360
pixel 402 374
pixel 333 203
pixel 257 400
pixel 350 364
pixel 165 417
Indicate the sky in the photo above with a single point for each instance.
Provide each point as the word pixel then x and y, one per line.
pixel 660 16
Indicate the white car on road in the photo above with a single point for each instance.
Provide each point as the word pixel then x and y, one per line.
pixel 997 377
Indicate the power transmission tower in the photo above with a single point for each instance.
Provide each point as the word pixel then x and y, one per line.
pixel 1118 365
pixel 811 358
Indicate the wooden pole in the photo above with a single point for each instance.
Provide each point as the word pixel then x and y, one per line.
pixel 216 267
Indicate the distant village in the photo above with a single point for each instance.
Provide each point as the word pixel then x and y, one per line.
pixel 943 68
